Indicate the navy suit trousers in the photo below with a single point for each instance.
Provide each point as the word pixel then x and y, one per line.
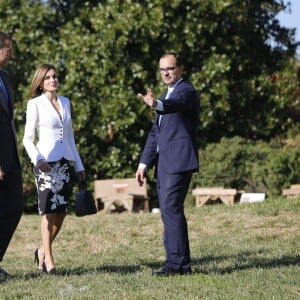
pixel 11 207
pixel 171 191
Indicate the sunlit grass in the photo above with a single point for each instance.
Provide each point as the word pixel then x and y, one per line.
pixel 248 251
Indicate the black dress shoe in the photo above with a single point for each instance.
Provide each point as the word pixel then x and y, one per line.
pixel 36 256
pixel 3 275
pixel 186 271
pixel 165 271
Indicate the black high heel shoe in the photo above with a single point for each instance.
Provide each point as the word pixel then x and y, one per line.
pixel 37 260
pixel 50 272
pixel 36 256
pixel 44 267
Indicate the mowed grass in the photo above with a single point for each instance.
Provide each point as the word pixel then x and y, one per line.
pixel 245 251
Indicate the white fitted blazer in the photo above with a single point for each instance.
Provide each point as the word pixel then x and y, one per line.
pixel 55 132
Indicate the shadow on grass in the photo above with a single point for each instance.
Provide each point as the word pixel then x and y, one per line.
pixel 207 265
pixel 241 261
pixel 126 269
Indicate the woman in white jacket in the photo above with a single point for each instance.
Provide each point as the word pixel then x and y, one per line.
pixel 49 115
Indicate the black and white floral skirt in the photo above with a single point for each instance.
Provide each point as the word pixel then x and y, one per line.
pixel 53 187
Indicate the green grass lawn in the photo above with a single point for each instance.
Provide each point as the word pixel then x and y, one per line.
pixel 245 251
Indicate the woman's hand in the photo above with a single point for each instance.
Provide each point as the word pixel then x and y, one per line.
pixel 44 166
pixel 81 176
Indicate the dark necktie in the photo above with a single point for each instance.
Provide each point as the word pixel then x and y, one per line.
pixel 4 91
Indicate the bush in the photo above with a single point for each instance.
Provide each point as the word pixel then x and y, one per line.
pixel 248 165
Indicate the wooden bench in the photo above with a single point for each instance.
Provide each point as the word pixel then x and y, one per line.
pixel 292 192
pixel 125 193
pixel 203 195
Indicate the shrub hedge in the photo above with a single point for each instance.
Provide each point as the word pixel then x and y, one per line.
pixel 248 165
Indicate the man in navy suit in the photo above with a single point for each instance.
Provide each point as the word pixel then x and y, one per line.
pixel 172 147
pixel 11 195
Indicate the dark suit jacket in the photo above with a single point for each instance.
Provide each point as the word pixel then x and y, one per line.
pixel 176 137
pixel 8 150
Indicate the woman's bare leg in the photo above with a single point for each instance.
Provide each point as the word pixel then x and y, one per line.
pixel 50 227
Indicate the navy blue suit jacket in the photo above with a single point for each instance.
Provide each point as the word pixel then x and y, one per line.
pixel 8 150
pixel 176 136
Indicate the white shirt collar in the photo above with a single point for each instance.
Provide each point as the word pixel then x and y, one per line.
pixel 171 88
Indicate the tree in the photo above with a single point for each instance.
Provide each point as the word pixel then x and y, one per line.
pixel 107 51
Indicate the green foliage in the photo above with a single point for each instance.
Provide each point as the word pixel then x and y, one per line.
pixel 107 51
pixel 250 166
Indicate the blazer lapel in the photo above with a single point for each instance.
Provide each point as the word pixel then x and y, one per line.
pixel 63 108
pixel 51 108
